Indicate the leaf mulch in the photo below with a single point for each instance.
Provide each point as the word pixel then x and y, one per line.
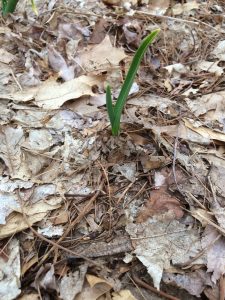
pixel 84 215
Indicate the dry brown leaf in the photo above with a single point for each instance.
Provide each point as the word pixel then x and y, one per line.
pixel 133 33
pixel 151 100
pixel 160 242
pixel 182 132
pixel 209 66
pixel 205 132
pixel 185 7
pixel 201 215
pixel 16 223
pixel 152 162
pixel 10 271
pixel 160 202
pixel 219 50
pixel 210 106
pixel 93 280
pixel 31 296
pixel 215 252
pixel 102 57
pixel 72 284
pixel 123 295
pixel 99 31
pixel 95 288
pixel 52 95
pixel 158 7
pixel 5 56
pixel 10 148
pixel 45 278
pixel 28 264
pixel 194 282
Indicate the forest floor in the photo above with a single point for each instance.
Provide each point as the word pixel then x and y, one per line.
pixel 84 214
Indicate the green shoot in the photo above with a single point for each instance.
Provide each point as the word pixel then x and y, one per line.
pixel 9 6
pixel 115 111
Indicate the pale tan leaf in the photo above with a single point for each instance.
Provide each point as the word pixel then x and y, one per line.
pixel 101 57
pixel 205 132
pixel 123 295
pixel 52 95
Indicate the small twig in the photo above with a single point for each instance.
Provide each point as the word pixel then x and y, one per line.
pixel 212 189
pixel 124 193
pixel 196 200
pixel 137 194
pixel 221 230
pixel 152 289
pixel 134 283
pixel 17 82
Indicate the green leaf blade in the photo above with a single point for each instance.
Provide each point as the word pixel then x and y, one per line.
pixel 130 79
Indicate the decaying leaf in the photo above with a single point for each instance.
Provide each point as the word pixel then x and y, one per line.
pixel 210 106
pixel 215 252
pixel 205 132
pixel 58 63
pixel 194 282
pixel 11 214
pixel 52 95
pixel 11 140
pixel 158 7
pixel 5 56
pixel 10 271
pixel 160 241
pixel 211 67
pixel 219 50
pixel 72 283
pixel 185 7
pixel 159 203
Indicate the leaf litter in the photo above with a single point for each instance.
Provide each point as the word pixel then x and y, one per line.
pixel 85 215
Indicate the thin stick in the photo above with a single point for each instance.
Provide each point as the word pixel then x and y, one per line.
pixel 152 289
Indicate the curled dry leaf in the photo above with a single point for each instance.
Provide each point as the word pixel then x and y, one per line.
pixel 133 33
pixel 95 288
pixel 10 151
pixel 205 132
